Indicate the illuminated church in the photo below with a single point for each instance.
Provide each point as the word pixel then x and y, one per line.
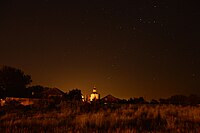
pixel 94 95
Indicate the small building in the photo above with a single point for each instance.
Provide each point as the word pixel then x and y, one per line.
pixel 45 92
pixel 110 99
pixel 94 96
pixel 2 102
pixel 37 94
pixel 83 98
pixel 52 92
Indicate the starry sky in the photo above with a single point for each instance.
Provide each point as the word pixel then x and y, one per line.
pixel 127 48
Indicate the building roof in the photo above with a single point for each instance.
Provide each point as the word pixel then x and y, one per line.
pixel 45 92
pixel 53 92
pixel 110 99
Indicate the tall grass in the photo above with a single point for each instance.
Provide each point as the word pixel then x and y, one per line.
pixel 124 118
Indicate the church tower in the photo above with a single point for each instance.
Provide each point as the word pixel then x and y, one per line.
pixel 94 95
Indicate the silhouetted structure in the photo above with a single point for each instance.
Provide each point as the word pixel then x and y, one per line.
pixel 153 101
pixel 44 92
pixel 110 99
pixel 94 96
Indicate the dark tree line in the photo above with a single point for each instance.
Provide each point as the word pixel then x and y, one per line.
pixel 13 82
pixel 181 100
pixel 73 95
pixel 175 100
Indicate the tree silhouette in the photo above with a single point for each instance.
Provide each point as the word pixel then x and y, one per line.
pixel 178 99
pixel 139 100
pixel 193 100
pixel 13 82
pixel 36 91
pixel 74 95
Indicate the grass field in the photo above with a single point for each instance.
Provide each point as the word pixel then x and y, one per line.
pixel 70 117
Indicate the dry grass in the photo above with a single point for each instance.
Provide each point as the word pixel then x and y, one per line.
pixel 126 118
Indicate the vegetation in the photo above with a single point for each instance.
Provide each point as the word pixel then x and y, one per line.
pixel 96 117
pixel 74 95
pixel 13 82
pixel 56 111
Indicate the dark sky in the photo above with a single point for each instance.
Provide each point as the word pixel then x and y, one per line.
pixel 127 48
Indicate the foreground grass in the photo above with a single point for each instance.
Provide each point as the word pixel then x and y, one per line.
pixel 123 118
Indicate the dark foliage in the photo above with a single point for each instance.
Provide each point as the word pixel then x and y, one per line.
pixel 153 101
pixel 36 91
pixel 13 82
pixel 139 100
pixel 74 95
pixel 181 100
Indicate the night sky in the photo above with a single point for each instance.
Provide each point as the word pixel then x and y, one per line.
pixel 127 48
